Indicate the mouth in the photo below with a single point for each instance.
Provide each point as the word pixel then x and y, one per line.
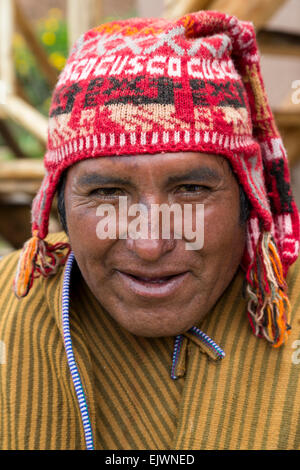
pixel 158 286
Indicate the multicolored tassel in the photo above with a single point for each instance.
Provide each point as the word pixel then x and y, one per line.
pixel 268 306
pixel 38 258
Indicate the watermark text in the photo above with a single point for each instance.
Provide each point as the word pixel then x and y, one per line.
pixel 159 221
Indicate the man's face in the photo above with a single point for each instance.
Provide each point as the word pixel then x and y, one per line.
pixel 156 287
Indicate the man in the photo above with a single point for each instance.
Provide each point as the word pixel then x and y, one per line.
pixel 124 347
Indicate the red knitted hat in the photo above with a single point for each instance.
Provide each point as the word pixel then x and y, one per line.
pixel 144 86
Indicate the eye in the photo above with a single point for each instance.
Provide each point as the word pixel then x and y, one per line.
pixel 107 192
pixel 192 188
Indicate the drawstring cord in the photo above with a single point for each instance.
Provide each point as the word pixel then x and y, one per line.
pixel 87 427
pixel 205 339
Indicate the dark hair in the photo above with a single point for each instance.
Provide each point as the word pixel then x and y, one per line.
pixel 245 206
pixel 244 203
pixel 61 201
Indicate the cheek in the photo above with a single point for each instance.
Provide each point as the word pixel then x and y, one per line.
pixel 88 248
pixel 223 234
pixel 81 224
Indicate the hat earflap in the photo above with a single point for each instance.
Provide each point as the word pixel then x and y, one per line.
pixel 38 257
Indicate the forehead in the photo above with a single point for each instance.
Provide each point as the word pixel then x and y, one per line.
pixel 160 165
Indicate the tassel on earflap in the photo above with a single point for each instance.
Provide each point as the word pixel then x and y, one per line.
pixel 38 258
pixel 268 306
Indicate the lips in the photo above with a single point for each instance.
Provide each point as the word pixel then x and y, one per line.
pixel 153 286
pixel 154 280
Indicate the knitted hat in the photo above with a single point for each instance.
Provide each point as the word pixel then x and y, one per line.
pixel 145 86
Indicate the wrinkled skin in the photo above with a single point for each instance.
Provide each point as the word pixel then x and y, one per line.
pixel 107 266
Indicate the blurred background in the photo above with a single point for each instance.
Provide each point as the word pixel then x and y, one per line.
pixel 35 37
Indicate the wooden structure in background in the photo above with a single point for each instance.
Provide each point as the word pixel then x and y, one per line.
pixel 19 182
pixel 12 106
pixel 82 15
pixel 23 176
pixel 257 11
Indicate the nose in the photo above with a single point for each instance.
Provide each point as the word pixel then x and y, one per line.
pixel 150 250
pixel 152 244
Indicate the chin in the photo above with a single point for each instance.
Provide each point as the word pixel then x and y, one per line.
pixel 155 330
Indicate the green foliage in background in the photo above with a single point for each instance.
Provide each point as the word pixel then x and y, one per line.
pixel 52 33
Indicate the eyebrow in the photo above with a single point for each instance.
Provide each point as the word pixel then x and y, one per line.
pixel 91 179
pixel 198 174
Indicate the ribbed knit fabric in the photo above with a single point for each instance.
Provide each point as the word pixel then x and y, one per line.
pixel 248 400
